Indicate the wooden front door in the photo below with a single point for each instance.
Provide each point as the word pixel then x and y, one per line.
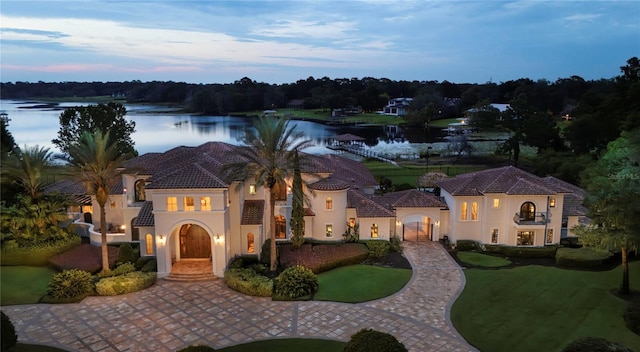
pixel 194 242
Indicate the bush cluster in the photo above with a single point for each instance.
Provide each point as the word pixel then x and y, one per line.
pixel 369 340
pixel 130 282
pixel 8 333
pixel 584 257
pixel 71 284
pixel 518 252
pixel 249 282
pixel 295 282
pixel 150 266
pixel 378 248
pixel 395 244
pixel 85 257
pixel 323 257
pixel 467 245
pixel 142 261
pixel 120 270
pixel 126 254
pixel 37 253
pixel 571 242
pixel 595 344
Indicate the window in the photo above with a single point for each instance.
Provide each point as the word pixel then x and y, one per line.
pixel 352 222
pixel 549 238
pixel 494 236
pixel 280 192
pixel 189 204
pixel 148 240
pixel 528 211
pixel 205 203
pixel 112 205
pixel 463 211
pixel 139 191
pixel 329 205
pixel 329 230
pixel 172 204
pixel 281 227
pixel 250 243
pixel 374 231
pixel 525 238
pixel 552 202
pixel 252 189
pixel 496 203
pixel 474 211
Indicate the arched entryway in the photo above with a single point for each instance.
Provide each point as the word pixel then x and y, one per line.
pixel 195 242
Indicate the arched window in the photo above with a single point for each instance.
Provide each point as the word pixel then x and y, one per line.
pixel 139 188
pixel 148 239
pixel 250 243
pixel 528 212
pixel 329 204
pixel 474 211
pixel 281 227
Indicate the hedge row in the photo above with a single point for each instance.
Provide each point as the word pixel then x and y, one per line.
pixel 37 254
pixel 507 251
pixel 130 282
pixel 249 282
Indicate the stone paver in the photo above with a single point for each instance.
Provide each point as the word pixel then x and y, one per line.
pixel 172 315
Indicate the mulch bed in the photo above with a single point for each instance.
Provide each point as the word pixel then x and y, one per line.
pixel 85 257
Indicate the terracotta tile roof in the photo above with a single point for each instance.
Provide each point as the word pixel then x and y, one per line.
pixel 412 199
pixel 572 206
pixel 252 212
pixel 191 175
pixel 349 171
pixel 508 180
pixel 367 207
pixel 329 184
pixel 308 212
pixel 145 216
pixel 71 187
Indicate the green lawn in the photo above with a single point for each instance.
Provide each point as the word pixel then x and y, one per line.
pixel 23 284
pixel 360 283
pixel 535 308
pixel 286 345
pixel 479 259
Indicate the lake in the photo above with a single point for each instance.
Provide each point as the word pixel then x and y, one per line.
pixel 35 123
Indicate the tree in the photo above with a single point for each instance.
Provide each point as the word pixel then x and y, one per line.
pixel 96 162
pixel 31 222
pixel 269 160
pixel 484 116
pixel 613 186
pixel 92 118
pixel 28 168
pixel 297 204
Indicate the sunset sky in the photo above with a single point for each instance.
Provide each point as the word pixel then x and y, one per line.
pixel 284 41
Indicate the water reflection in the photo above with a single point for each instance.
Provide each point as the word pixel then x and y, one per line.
pixel 38 123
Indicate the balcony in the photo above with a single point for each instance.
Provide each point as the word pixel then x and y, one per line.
pixel 528 220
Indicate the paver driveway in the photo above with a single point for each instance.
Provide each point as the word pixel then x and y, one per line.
pixel 172 315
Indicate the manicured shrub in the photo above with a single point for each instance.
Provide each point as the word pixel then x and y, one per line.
pixel 120 270
pixel 571 242
pixel 131 282
pixel 126 254
pixel 529 252
pixel 295 282
pixel 632 316
pixel 151 266
pixel 395 244
pixel 200 348
pixel 595 344
pixel 378 248
pixel 249 282
pixel 369 340
pixel 8 333
pixel 467 245
pixel 37 253
pixel 70 284
pixel 142 261
pixel 584 257
pixel 85 257
pixel 323 257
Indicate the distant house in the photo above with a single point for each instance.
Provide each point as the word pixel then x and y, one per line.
pixel 295 104
pixel 397 106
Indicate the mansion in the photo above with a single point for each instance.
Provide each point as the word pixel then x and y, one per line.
pixel 178 206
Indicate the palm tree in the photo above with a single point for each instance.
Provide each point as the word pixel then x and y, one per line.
pixel 28 167
pixel 269 160
pixel 97 164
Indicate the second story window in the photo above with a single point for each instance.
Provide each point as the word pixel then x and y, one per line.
pixel 496 203
pixel 205 203
pixel 172 204
pixel 329 203
pixel 552 202
pixel 139 191
pixel 188 204
pixel 474 211
pixel 252 189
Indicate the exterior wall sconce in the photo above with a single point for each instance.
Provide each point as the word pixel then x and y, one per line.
pixel 161 240
pixel 398 222
pixel 218 239
pixel 438 223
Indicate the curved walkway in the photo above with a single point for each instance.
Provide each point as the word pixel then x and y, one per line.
pixel 172 315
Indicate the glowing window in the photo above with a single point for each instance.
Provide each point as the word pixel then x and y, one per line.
pixel 281 227
pixel 374 231
pixel 250 243
pixel 463 211
pixel 474 211
pixel 496 202
pixel 189 204
pixel 252 189
pixel 148 239
pixel 329 230
pixel 205 203
pixel 139 191
pixel 112 205
pixel 494 236
pixel 352 222
pixel 549 238
pixel 329 204
pixel 172 204
pixel 552 202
